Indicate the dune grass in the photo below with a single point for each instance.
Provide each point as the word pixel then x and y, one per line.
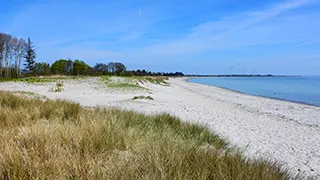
pixel 124 86
pixel 29 80
pixel 61 140
pixel 124 83
pixel 39 80
pixel 160 80
pixel 142 97
pixel 106 79
pixel 157 80
pixel 31 94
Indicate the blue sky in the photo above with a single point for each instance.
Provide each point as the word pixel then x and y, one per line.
pixel 207 36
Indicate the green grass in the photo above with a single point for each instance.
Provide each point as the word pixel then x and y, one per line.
pixel 142 97
pixel 61 140
pixel 124 86
pixel 160 80
pixel 106 79
pixel 31 94
pixel 29 80
pixel 38 80
pixel 10 79
pixel 156 80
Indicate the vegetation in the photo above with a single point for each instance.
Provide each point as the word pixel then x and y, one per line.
pixel 69 67
pixel 60 140
pixel 157 80
pixel 39 80
pixel 133 82
pixel 106 79
pixel 59 86
pixel 112 68
pixel 29 57
pixel 41 69
pixel 29 80
pixel 13 50
pixel 31 94
pixel 149 73
pixel 120 83
pixel 124 85
pixel 150 79
pixel 143 97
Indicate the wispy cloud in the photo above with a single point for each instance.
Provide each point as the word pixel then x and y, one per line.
pixel 61 23
pixel 140 32
pixel 304 44
pixel 242 29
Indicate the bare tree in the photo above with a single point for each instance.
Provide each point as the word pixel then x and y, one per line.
pixel 7 53
pixel 11 54
pixel 2 37
pixel 21 52
pixel 12 51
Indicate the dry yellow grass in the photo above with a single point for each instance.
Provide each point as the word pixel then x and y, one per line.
pixel 61 140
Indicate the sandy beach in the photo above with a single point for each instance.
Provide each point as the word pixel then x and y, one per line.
pixel 285 132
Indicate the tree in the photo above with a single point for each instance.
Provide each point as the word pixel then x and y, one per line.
pixel 111 67
pixel 80 68
pixel 126 73
pixel 41 69
pixel 7 43
pixel 116 67
pixel 30 56
pixel 138 72
pixel 22 44
pixel 58 66
pixel 119 67
pixel 61 66
pixel 101 68
pixel 68 67
pixel 2 42
pixel 12 50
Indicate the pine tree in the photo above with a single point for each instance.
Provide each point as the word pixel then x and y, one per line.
pixel 29 57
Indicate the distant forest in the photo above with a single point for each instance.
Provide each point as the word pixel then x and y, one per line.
pixel 17 52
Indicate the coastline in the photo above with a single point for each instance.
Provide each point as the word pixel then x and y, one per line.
pixel 235 91
pixel 284 132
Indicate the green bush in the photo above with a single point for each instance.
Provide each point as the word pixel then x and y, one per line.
pixel 126 73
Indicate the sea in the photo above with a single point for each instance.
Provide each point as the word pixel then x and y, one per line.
pixel 301 89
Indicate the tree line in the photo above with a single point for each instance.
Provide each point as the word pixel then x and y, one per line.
pixel 15 51
pixel 12 52
pixel 77 67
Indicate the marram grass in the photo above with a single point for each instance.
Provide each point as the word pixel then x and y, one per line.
pixel 61 140
pixel 142 97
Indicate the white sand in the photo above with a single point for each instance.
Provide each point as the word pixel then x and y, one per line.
pixel 288 133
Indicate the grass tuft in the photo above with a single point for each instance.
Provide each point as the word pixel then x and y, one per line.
pixel 159 80
pixel 106 79
pixel 40 80
pixel 124 86
pixel 61 140
pixel 142 97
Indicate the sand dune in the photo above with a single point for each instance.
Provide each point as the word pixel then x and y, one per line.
pixel 288 133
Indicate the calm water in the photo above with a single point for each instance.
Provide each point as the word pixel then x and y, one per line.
pixel 296 89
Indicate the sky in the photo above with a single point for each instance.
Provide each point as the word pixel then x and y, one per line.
pixel 204 37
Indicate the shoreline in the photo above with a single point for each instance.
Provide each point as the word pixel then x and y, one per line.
pixel 235 91
pixel 282 131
